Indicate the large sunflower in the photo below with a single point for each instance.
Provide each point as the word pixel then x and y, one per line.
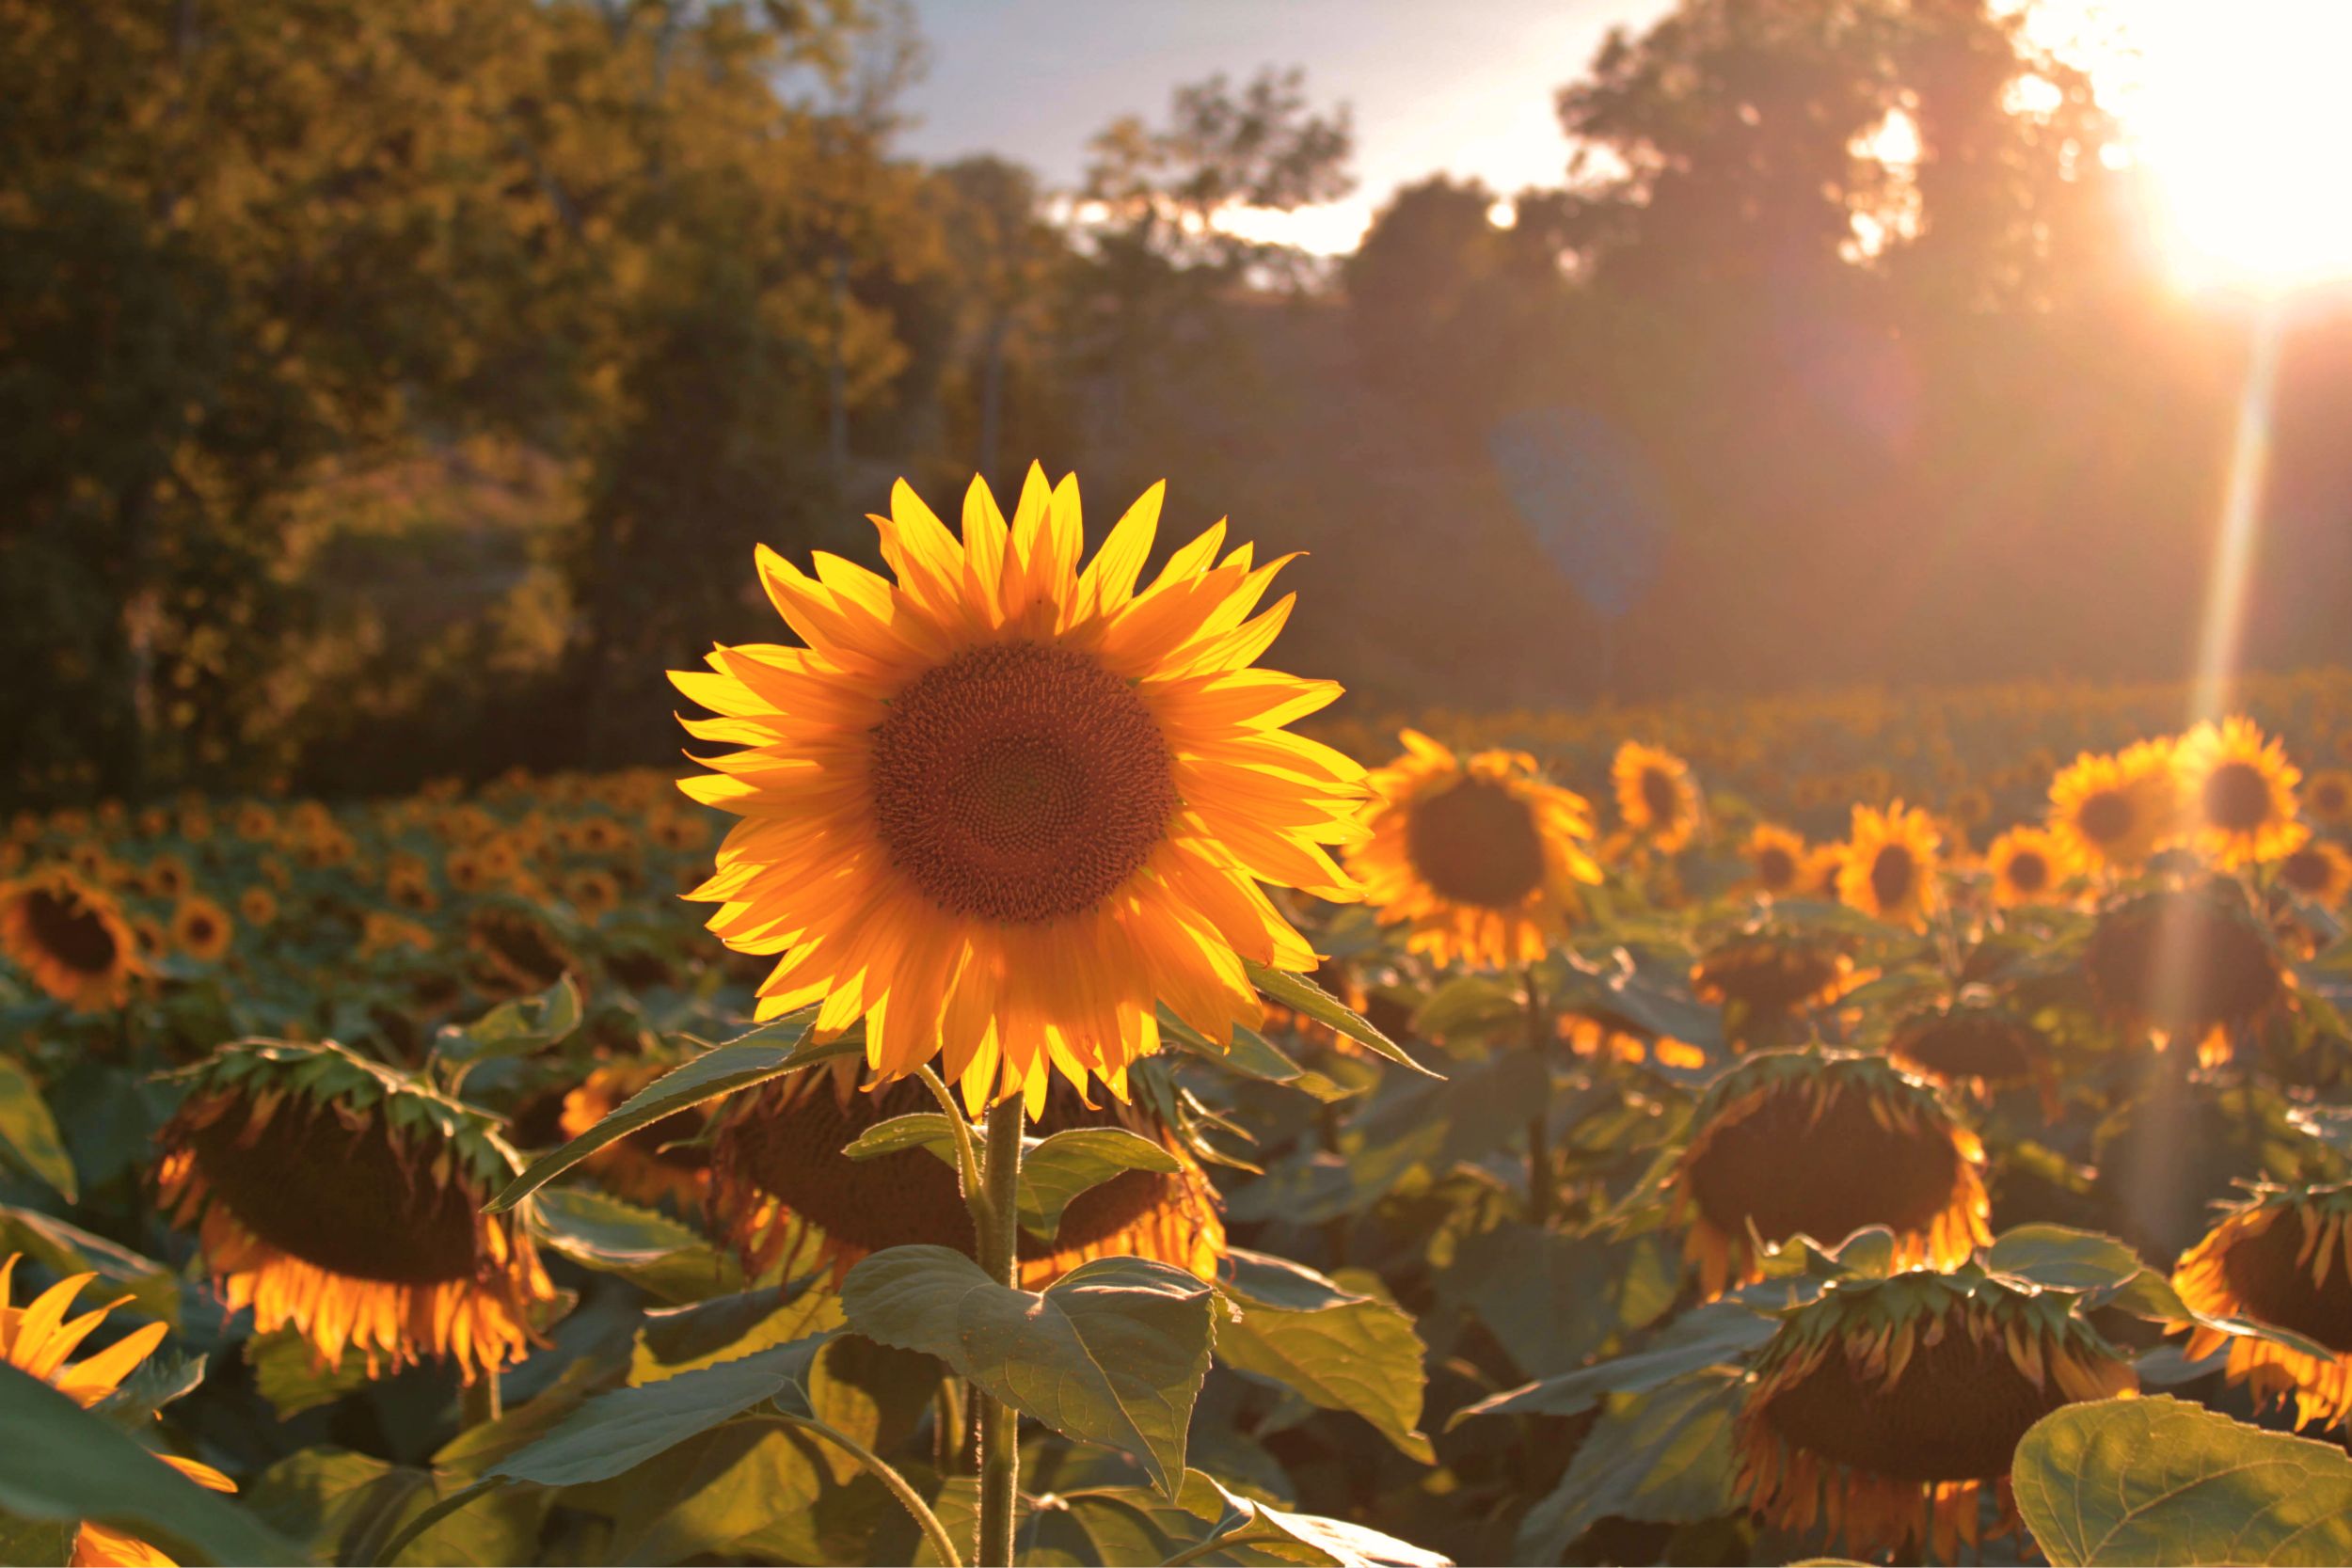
pixel 1974 1041
pixel 344 1199
pixel 38 1338
pixel 2185 963
pixel 1003 808
pixel 2284 1258
pixel 2114 811
pixel 1799 1143
pixel 777 1166
pixel 69 937
pixel 1890 864
pixel 2237 794
pixel 1655 795
pixel 1764 976
pixel 1886 1411
pixel 1479 856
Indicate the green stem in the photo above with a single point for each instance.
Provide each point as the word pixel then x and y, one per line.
pixel 1539 1172
pixel 912 1501
pixel 967 1157
pixel 1000 1424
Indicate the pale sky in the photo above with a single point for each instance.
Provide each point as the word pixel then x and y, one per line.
pixel 1465 88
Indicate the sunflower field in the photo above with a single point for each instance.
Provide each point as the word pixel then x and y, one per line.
pixel 1046 1093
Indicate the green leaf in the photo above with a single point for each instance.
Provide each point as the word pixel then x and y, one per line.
pixel 611 1432
pixel 1663 1457
pixel 1301 995
pixel 165 1376
pixel 725 1328
pixel 1310 1538
pixel 29 1133
pixel 1113 1353
pixel 2156 1479
pixel 716 1072
pixel 37 1542
pixel 925 1130
pixel 286 1370
pixel 753 1487
pixel 516 1027
pixel 599 1231
pixel 1337 1351
pixel 1719 1334
pixel 2059 1257
pixel 65 1464
pixel 66 1249
pixel 1556 1301
pixel 1057 1168
pixel 347 1504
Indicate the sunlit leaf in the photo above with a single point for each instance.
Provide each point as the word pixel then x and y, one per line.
pixel 1301 995
pixel 29 1133
pixel 1339 1351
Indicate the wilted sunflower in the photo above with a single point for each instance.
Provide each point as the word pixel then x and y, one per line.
pixel 661 1160
pixel 2114 811
pixel 777 1160
pixel 1822 1144
pixel 1777 857
pixel 69 937
pixel 1003 808
pixel 36 1338
pixel 1973 1041
pixel 1480 857
pixel 1762 977
pixel 1888 1410
pixel 343 1198
pixel 2185 963
pixel 202 929
pixel 2283 1257
pixel 2320 871
pixel 1890 864
pixel 2028 865
pixel 2237 794
pixel 1656 797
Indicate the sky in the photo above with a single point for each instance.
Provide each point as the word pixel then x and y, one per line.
pixel 1459 86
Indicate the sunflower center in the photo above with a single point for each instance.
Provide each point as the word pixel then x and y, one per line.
pixel 2106 817
pixel 2028 872
pixel 1956 1414
pixel 1775 867
pixel 2268 1274
pixel 1892 873
pixel 1476 843
pixel 1020 783
pixel 347 1200
pixel 2236 797
pixel 1826 1174
pixel 1658 795
pixel 70 932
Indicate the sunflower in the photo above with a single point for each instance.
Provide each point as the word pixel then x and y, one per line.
pixel 2328 798
pixel 37 1339
pixel 1600 1033
pixel 655 1162
pixel 344 1199
pixel 2028 865
pixel 202 929
pixel 1777 858
pixel 2237 794
pixel 2185 963
pixel 69 937
pixel 1888 1410
pixel 1971 1041
pixel 2320 871
pixel 777 1160
pixel 1655 795
pixel 1480 857
pixel 593 890
pixel 1822 1144
pixel 2114 811
pixel 2283 1257
pixel 167 876
pixel 1763 978
pixel 1003 809
pixel 1890 864
pixel 258 904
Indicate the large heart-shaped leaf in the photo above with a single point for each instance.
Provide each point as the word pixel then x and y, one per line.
pixel 1057 1168
pixel 29 1133
pixel 2156 1479
pixel 1113 1353
pixel 64 1463
pixel 1663 1457
pixel 350 1505
pixel 1340 1350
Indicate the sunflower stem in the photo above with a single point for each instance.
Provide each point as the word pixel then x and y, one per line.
pixel 967 1157
pixel 1539 1172
pixel 1000 1424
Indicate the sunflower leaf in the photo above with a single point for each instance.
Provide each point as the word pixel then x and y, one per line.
pixel 1303 996
pixel 926 1130
pixel 29 1133
pixel 64 1248
pixel 599 1231
pixel 1335 1350
pixel 1057 1168
pixel 720 1071
pixel 1722 1333
pixel 1663 1457
pixel 1113 1353
pixel 2156 1479
pixel 514 1027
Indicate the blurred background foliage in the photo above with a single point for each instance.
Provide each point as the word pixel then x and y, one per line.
pixel 396 390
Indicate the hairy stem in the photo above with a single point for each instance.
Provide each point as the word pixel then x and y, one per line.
pixel 1000 1446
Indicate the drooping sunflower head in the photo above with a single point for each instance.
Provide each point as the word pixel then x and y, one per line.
pixel 663 1161
pixel 2320 871
pixel 1656 797
pixel 2028 866
pixel 1973 1040
pixel 2282 1257
pixel 1763 975
pixel 1822 1144
pixel 2237 794
pixel 39 1339
pixel 1890 864
pixel 71 938
pixel 777 1169
pixel 2188 963
pixel 1003 808
pixel 2114 811
pixel 344 1199
pixel 1478 857
pixel 1887 1411
pixel 202 929
pixel 1777 859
